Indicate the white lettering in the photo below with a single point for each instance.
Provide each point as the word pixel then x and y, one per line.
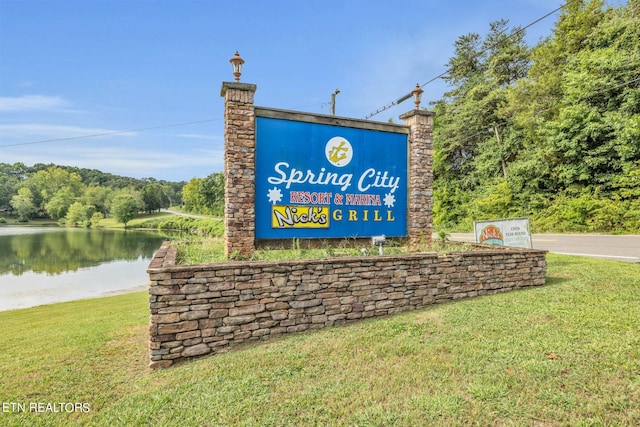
pixel 295 176
pixel 372 178
pixel 13 407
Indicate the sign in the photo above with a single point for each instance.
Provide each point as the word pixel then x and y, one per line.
pixel 504 232
pixel 322 181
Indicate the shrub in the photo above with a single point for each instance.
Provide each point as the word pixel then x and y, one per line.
pixel 96 218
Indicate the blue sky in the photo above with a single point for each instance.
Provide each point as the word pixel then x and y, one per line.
pixel 71 68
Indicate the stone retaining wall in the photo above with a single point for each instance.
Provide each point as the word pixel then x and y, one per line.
pixel 202 309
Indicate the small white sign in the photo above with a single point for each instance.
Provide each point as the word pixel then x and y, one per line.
pixel 504 232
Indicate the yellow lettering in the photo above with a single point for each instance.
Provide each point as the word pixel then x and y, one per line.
pixel 337 215
pixel 366 215
pixel 376 215
pixel 353 215
pixel 390 217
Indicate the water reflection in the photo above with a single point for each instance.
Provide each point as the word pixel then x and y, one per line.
pixel 40 265
pixel 59 250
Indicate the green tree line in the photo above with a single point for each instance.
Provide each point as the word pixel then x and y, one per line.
pixel 551 132
pixel 79 196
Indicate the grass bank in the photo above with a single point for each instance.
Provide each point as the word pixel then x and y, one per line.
pixel 212 227
pixel 111 222
pixel 567 353
pixel 200 226
pixel 37 222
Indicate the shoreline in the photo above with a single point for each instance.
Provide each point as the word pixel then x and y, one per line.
pixel 49 301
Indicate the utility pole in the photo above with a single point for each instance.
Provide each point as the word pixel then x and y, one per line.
pixel 502 162
pixel 333 102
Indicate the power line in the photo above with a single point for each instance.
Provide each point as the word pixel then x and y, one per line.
pixel 515 33
pixel 117 132
pixel 567 102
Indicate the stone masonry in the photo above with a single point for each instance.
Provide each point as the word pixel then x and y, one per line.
pixel 419 220
pixel 203 309
pixel 239 168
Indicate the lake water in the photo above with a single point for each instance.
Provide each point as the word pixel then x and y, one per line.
pixel 43 265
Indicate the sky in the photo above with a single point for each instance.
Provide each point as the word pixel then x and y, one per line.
pixel 145 75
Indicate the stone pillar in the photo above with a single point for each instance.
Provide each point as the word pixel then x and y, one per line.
pixel 239 168
pixel 419 217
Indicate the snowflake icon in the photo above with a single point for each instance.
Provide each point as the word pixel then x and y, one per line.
pixel 274 195
pixel 389 200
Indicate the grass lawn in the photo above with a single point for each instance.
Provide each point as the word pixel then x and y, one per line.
pixel 112 223
pixel 567 353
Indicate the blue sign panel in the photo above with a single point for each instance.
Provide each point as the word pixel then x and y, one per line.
pixel 322 181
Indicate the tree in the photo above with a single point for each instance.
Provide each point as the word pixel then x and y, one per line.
pixel 205 195
pixel 154 197
pixel 10 178
pixel 472 147
pixel 550 132
pixel 52 182
pixel 173 191
pixel 54 189
pixel 125 207
pixel 76 214
pixel 58 205
pixel 22 203
pixel 593 131
pixel 212 189
pixel 97 196
pixel 191 195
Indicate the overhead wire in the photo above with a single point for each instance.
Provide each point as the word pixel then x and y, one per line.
pixel 506 122
pixel 386 107
pixel 117 132
pixel 444 73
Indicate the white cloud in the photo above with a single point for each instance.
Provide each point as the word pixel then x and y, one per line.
pixel 33 103
pixel 166 164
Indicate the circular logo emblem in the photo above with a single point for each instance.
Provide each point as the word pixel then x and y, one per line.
pixel 338 151
pixel 491 235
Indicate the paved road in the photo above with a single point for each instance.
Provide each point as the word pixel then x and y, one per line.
pixel 620 248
